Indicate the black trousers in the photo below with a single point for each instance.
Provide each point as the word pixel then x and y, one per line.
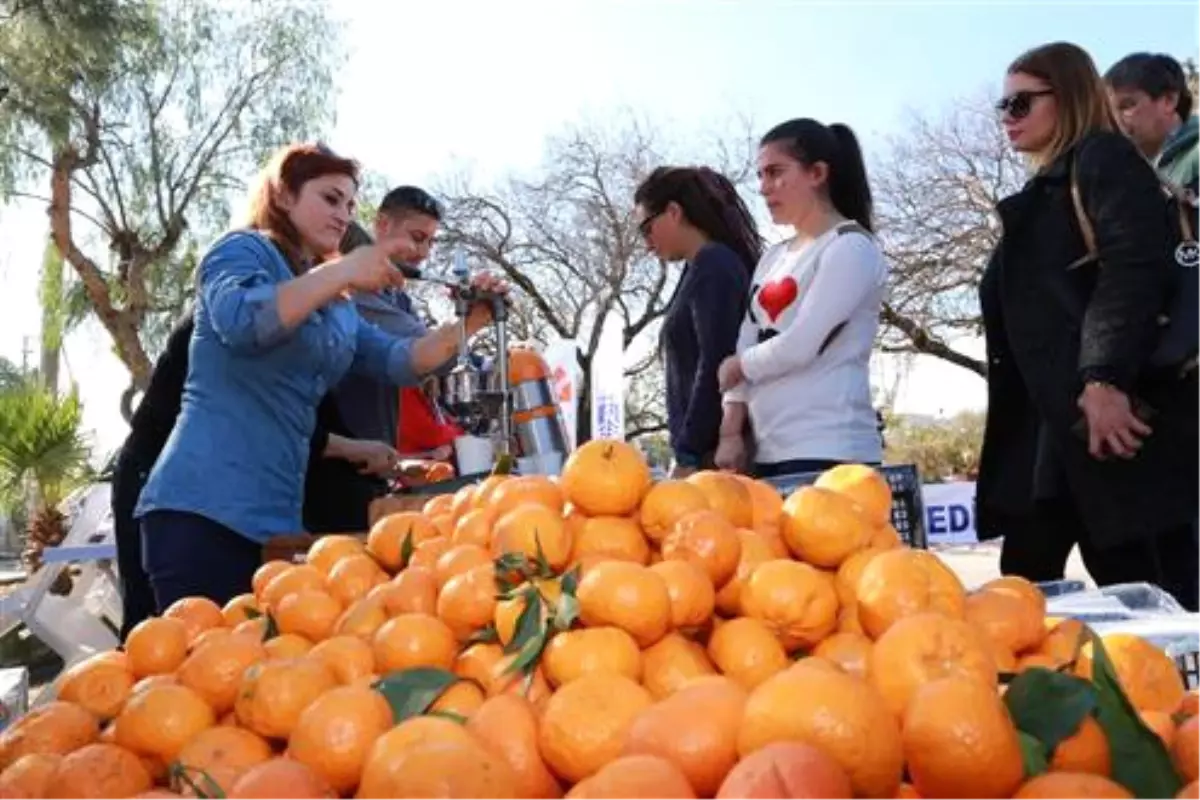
pixel 137 597
pixel 187 555
pixel 1037 549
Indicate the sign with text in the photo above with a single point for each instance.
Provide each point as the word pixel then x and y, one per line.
pixel 950 512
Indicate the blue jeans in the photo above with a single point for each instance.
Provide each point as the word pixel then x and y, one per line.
pixel 187 555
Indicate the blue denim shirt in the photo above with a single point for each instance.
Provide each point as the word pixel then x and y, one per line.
pixel 239 450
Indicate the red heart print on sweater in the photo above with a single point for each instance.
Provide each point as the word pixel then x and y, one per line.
pixel 776 296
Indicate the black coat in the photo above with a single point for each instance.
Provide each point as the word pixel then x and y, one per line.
pixel 1039 355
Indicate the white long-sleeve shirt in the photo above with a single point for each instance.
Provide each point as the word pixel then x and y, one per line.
pixel 809 393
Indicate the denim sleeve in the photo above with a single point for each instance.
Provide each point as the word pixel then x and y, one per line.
pixel 241 294
pixel 385 358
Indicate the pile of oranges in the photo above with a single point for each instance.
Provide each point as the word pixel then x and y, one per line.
pixel 600 635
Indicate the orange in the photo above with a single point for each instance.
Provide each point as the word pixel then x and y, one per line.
pixel 507 726
pixel 691 592
pixel 458 559
pixel 437 769
pixel 362 619
pixel 503 679
pixel 1085 750
pixel 386 539
pixel 926 647
pixel 287 645
pixel 159 721
pixel 239 609
pixel 615 538
pixel 332 548
pixel 214 671
pixel 265 574
pixel 709 541
pixel 1009 619
pixel 1192 790
pixel 533 529
pixel 756 549
pixel 766 503
pixel 786 769
pixel 280 777
pixel 57 727
pixel 429 551
pixel 310 613
pixel 474 527
pixel 295 578
pixel 850 651
pixel 508 611
pixel 572 654
pixel 634 776
pixel 349 658
pixel 900 583
pixel 850 570
pixel 439 505
pixel 747 650
pixel 835 712
pixel 99 770
pixel 1072 784
pixel 462 501
pixel 885 537
pixel 628 596
pixel 198 614
pixel 1190 705
pixel 336 731
pixel 223 753
pixel 695 729
pixel 482 497
pixel 413 640
pixel 353 576
pixel 527 489
pixel 823 527
pixel 275 693
pixel 666 503
pixel 865 486
pixel 726 495
pixel 673 663
pixel 604 477
pixel 462 698
pixel 156 646
pixel 1149 677
pixel 1185 750
pixel 100 683
pixel 468 602
pixel 1064 640
pixel 796 602
pixel 584 724
pixel 29 776
pixel 477 661
pixel 959 741
pixel 413 590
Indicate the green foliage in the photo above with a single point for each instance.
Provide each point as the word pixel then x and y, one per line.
pixel 41 443
pixel 163 110
pixel 941 449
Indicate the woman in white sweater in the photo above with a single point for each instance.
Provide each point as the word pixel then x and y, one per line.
pixel 800 379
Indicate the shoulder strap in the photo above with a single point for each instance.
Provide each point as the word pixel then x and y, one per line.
pixel 1089 232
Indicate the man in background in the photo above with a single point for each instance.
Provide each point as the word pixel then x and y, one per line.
pixel 1154 106
pixel 336 494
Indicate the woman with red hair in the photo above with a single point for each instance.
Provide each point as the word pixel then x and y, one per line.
pixel 274 330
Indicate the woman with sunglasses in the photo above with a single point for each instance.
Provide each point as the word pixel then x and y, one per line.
pixel 274 330
pixel 695 215
pixel 1086 441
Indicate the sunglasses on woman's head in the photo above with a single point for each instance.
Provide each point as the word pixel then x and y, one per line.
pixel 1018 104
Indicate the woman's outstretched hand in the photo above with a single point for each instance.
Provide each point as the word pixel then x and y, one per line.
pixel 369 268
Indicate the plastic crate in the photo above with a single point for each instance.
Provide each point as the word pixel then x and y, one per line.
pixel 1189 669
pixel 908 509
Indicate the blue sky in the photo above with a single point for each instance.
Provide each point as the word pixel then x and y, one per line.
pixel 432 85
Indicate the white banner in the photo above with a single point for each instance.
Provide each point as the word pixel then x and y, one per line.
pixel 950 512
pixel 608 382
pixel 565 377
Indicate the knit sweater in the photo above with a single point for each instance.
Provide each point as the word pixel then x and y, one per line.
pixel 805 347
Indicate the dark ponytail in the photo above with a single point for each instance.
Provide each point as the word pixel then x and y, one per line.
pixel 810 142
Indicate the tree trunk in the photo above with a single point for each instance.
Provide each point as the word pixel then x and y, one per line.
pixel 122 324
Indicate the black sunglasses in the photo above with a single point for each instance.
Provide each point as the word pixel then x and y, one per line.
pixel 645 225
pixel 1018 104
